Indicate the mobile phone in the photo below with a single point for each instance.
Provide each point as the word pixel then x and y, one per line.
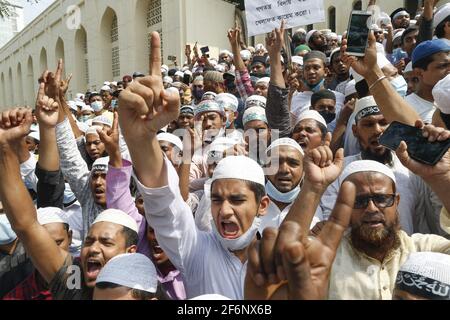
pixel 358 33
pixel 187 79
pixel 204 50
pixel 419 148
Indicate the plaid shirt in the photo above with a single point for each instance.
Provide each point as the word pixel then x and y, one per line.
pixel 29 289
pixel 244 84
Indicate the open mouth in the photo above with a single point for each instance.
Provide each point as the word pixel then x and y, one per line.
pixel 93 269
pixel 230 230
pixel 99 192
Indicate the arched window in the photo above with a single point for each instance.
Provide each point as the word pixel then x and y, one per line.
pixel 19 88
pixel 81 60
pixel 43 60
pixel 332 18
pixel 115 47
pixel 30 82
pixel 357 5
pixel 154 23
pixel 10 90
pixel 3 91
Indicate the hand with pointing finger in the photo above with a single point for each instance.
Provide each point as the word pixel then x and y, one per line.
pixel 47 109
pixel 287 264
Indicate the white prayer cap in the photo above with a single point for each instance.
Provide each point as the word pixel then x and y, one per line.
pixel 285 142
pixel 255 101
pixel 72 105
pixel 106 88
pixel 241 168
pixel 168 80
pixel 441 95
pixel 188 72
pixel 211 297
pixel 311 114
pixel 246 55
pixel 228 53
pixel 164 69
pixel 173 139
pixel 35 135
pixel 254 113
pixel 259 47
pixel 80 104
pixel 179 74
pixel 228 101
pixel 366 106
pixel 442 13
pixel 106 83
pixel 118 217
pixel 51 215
pixel 265 80
pixel 350 88
pixel 398 34
pixel 101 164
pixel 208 106
pixel 209 96
pixel 432 265
pixel 298 60
pixel 218 147
pixel 114 83
pixel 131 270
pixel 309 35
pixel 102 120
pixel 79 96
pixel 87 108
pixel 220 67
pixel 367 166
pixel 408 67
pixel 93 130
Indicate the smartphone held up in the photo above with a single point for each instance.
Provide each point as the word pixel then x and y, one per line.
pixel 358 33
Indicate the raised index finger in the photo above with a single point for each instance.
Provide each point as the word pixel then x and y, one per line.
pixel 333 230
pixel 59 70
pixel 155 54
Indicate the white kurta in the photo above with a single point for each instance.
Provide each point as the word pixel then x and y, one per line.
pixel 206 267
pixel 424 108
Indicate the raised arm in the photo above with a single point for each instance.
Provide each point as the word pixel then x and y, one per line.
pixel 392 105
pixel 47 257
pixel 321 169
pixel 426 25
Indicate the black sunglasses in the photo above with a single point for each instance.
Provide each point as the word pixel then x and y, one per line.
pixel 380 200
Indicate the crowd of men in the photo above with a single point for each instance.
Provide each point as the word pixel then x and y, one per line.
pixel 258 174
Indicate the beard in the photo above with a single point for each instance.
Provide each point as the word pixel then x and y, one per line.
pixel 367 239
pixel 384 158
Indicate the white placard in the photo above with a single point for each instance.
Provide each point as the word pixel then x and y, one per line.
pixel 265 15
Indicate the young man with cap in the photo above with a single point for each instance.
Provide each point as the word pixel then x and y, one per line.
pixel 284 181
pixel 400 18
pixel 210 262
pixel 424 276
pixel 186 118
pixel 115 282
pixel 431 62
pixel 112 233
pixel 324 102
pixel 317 41
pixel 257 134
pixel 441 23
pixel 258 67
pixel 198 90
pixel 214 82
pixel 310 130
pixel 340 72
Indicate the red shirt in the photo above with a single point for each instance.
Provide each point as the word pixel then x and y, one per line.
pixel 29 289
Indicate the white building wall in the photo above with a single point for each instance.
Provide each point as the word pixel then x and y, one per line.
pixel 183 21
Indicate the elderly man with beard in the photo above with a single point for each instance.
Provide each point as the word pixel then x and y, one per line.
pixel 209 262
pixel 368 127
pixel 373 248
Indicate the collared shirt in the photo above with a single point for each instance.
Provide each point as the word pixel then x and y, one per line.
pixel 29 289
pixel 356 276
pixel 206 266
pixel 173 285
pixel 244 84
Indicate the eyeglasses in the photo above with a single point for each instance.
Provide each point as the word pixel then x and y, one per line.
pixel 380 200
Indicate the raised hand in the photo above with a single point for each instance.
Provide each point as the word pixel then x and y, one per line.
pixel 287 264
pixel 145 107
pixel 234 37
pixel 320 167
pixel 111 137
pixel 14 125
pixel 47 109
pixel 275 41
pixel 427 172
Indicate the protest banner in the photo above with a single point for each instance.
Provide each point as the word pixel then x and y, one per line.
pixel 265 15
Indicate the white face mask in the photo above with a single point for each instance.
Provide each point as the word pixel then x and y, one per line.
pixel 97 106
pixel 239 243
